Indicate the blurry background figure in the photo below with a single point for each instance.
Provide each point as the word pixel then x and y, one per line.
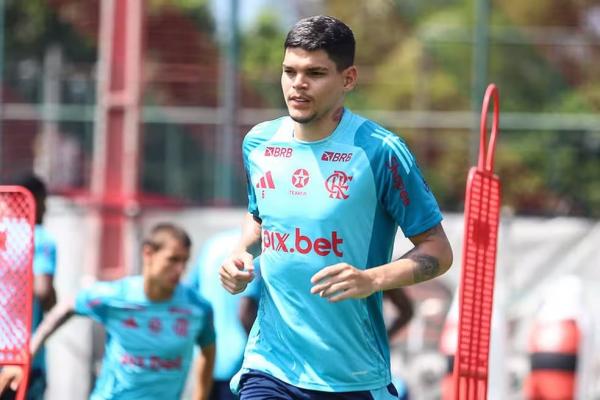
pixel 233 315
pixel 497 382
pixel 401 313
pixel 44 268
pixel 559 344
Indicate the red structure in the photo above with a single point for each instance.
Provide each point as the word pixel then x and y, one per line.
pixel 17 221
pixel 116 150
pixel 482 215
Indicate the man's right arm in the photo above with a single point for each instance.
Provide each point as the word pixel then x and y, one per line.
pixel 238 270
pixel 12 376
pixel 57 316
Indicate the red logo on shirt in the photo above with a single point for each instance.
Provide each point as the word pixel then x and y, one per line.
pixel 181 327
pixel 130 323
pixel 302 244
pixel 397 180
pixel 336 157
pixel 266 181
pixel 300 178
pixel 2 240
pixel 155 325
pixel 274 151
pixel 337 185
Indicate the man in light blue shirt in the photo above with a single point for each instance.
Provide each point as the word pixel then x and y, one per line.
pixel 152 323
pixel 233 315
pixel 327 190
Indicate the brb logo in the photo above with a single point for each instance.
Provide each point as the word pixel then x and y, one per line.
pixel 302 244
pixel 336 157
pixel 274 151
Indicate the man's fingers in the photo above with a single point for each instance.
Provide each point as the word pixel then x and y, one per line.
pixel 248 262
pixel 324 284
pixel 328 272
pixel 341 296
pixel 335 289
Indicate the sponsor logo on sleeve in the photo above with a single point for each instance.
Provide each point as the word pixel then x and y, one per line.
pixel 397 180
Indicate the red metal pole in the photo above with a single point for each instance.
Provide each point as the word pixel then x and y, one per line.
pixel 116 153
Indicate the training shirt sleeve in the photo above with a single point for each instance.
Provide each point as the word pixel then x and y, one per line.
pixel 93 301
pixel 44 257
pixel 248 145
pixel 402 189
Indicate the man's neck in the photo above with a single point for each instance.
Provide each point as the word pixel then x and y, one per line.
pixel 156 293
pixel 318 130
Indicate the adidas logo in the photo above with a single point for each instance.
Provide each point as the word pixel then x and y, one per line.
pixel 266 182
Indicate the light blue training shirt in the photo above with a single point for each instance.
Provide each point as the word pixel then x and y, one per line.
pixel 149 345
pixel 340 199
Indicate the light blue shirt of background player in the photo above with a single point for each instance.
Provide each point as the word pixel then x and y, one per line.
pixel 338 200
pixel 149 345
pixel 233 315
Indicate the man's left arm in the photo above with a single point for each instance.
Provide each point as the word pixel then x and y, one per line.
pixel 431 257
pixel 204 372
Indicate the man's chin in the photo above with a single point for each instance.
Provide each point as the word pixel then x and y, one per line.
pixel 301 119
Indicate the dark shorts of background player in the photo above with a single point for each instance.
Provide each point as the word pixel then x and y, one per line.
pixel 35 390
pixel 256 385
pixel 221 391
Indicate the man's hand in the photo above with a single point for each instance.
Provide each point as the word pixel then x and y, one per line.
pixel 10 376
pixel 342 281
pixel 236 272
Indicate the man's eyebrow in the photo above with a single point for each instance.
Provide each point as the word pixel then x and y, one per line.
pixel 315 68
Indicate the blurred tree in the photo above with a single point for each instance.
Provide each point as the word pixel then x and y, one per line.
pixel 261 57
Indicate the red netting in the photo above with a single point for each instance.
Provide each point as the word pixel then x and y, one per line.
pixel 482 211
pixel 17 210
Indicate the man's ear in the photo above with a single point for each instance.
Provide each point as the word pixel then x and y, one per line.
pixel 147 251
pixel 350 77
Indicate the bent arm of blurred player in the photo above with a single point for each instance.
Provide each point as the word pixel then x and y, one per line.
pixel 405 309
pixel 43 289
pixel 12 376
pixel 204 372
pixel 431 257
pixel 238 270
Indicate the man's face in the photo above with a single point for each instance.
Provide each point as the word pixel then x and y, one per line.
pixel 312 86
pixel 164 267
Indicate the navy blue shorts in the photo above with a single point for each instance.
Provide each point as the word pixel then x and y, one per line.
pixel 255 385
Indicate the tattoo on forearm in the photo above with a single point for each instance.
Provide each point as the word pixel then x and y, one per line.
pixel 427 267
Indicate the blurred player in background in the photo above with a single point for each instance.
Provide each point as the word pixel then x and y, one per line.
pixel 233 315
pixel 44 268
pixel 152 323
pixel 403 311
pixel 327 190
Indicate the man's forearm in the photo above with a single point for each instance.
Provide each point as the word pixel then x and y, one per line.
pixel 251 234
pixel 51 322
pixel 431 257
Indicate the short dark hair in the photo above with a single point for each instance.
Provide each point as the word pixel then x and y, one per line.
pixel 156 238
pixel 324 33
pixel 33 183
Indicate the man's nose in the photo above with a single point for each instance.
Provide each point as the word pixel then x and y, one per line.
pixel 299 81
